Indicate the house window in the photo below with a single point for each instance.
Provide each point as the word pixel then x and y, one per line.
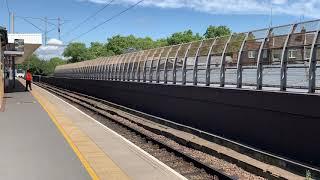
pixel 307 52
pixel 251 54
pixel 276 56
pixel 292 53
pixel 265 54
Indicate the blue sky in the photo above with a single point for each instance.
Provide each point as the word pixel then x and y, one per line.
pixel 157 18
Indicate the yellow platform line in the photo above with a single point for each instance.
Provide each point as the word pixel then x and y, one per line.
pixel 95 161
pixel 85 163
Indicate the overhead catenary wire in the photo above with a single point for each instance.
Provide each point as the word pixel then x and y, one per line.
pixel 45 20
pixel 7 4
pixel 28 17
pixel 39 18
pixel 25 19
pixel 56 28
pixel 111 18
pixel 89 17
pixel 9 13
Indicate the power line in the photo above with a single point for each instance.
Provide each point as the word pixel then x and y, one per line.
pixel 55 19
pixel 111 18
pixel 9 14
pixel 94 14
pixel 51 30
pixel 39 18
pixel 49 22
pixel 7 4
pixel 28 17
pixel 57 26
pixel 25 19
pixel 46 21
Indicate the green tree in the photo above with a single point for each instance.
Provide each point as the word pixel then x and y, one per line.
pixel 217 31
pixel 161 43
pixel 99 50
pixel 236 42
pixel 144 43
pixel 120 44
pixel 52 64
pixel 41 67
pixel 77 52
pixel 183 37
pixel 34 64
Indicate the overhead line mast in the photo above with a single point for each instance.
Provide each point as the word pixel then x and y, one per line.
pixel 47 22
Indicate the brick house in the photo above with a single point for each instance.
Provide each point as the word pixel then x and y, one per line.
pixel 299 47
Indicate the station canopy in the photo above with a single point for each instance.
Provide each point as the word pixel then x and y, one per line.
pixel 31 43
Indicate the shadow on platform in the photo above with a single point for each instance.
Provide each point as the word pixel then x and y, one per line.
pixel 19 87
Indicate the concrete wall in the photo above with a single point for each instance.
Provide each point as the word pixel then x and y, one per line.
pixel 284 124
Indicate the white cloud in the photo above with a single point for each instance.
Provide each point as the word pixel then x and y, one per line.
pixel 54 42
pixel 279 1
pixel 309 8
pixel 54 48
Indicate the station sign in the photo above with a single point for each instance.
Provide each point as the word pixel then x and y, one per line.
pixel 13 53
pixel 19 45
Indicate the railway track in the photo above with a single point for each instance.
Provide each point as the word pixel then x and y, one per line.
pixel 189 162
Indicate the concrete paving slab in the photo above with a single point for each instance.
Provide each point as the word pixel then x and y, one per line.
pixel 31 145
pixel 135 162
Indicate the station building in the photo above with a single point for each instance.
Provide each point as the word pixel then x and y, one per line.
pixel 15 49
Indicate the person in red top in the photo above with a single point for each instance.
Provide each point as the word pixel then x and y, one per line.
pixel 28 80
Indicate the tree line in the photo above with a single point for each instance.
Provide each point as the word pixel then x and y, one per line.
pixel 118 44
pixel 121 44
pixel 39 66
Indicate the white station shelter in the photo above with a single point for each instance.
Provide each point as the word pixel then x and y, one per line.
pixel 30 43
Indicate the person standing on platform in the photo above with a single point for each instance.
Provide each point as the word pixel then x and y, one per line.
pixel 28 80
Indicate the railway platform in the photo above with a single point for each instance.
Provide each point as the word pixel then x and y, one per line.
pixel 44 137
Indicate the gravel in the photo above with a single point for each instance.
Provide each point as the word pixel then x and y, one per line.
pixel 216 163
